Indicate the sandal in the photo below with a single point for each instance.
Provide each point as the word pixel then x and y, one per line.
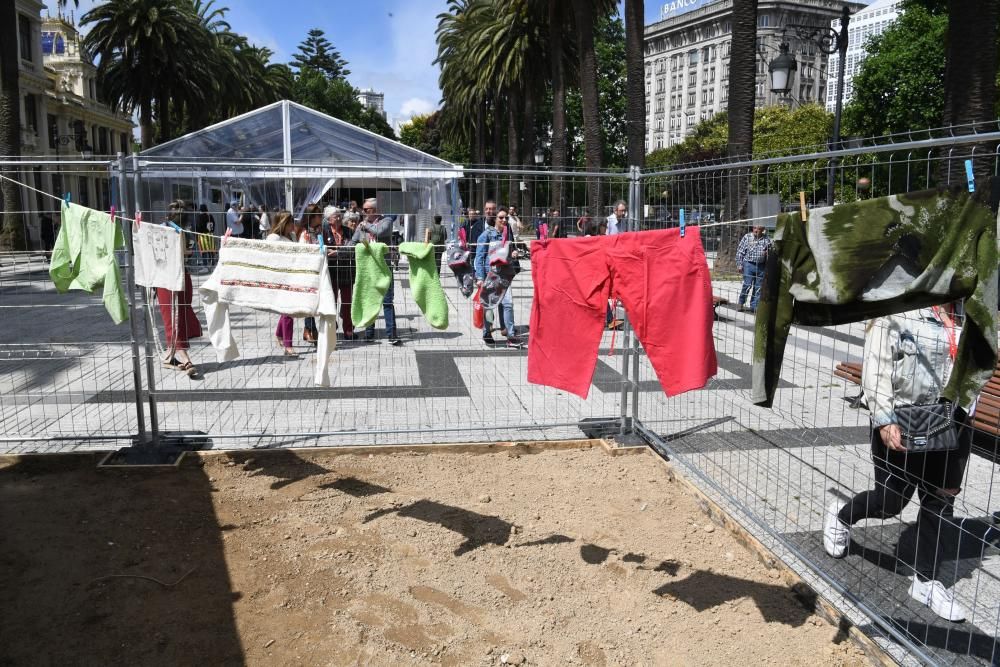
pixel 289 352
pixel 190 369
pixel 173 364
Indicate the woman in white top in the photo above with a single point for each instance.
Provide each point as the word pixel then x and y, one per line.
pixel 907 360
pixel 284 230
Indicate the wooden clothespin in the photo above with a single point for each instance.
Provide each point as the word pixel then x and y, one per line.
pixel 427 236
pixel 802 206
pixel 683 224
pixel 969 176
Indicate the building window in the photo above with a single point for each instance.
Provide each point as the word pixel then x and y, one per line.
pixel 763 21
pixel 692 78
pixel 30 113
pixel 692 58
pixel 24 34
pixel 691 99
pixel 102 141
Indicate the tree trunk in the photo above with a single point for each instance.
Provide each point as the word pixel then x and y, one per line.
pixel 558 100
pixel 970 76
pixel 528 153
pixel 479 192
pixel 742 95
pixel 163 117
pixel 592 136
pixel 498 123
pixel 146 125
pixel 12 233
pixel 513 150
pixel 636 83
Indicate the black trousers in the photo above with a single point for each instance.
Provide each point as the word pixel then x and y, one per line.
pixel 896 478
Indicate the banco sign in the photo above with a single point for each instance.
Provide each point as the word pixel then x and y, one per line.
pixel 674 7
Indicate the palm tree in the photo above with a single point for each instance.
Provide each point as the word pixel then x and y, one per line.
pixel 463 114
pixel 504 43
pixel 593 138
pixel 586 13
pixel 742 92
pixel 635 86
pixel 149 50
pixel 557 65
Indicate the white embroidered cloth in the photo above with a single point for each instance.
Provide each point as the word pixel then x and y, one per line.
pixel 159 257
pixel 274 276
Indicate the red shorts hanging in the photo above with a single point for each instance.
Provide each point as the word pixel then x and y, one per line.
pixel 661 278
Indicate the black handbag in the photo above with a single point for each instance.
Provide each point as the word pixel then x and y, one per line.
pixel 928 428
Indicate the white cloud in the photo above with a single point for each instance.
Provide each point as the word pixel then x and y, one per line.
pixel 416 106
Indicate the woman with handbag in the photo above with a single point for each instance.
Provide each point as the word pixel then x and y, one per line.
pixel 494 264
pixel 919 443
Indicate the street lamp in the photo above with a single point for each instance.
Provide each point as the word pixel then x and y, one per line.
pixel 539 156
pixel 782 70
pixel 831 41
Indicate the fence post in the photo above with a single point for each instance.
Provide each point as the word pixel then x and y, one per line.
pixel 634 211
pixel 153 417
pixel 133 311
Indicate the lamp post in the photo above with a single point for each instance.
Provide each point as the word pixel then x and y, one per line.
pixel 539 161
pixel 831 41
pixel 782 69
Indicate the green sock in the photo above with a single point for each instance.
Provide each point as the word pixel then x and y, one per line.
pixel 425 283
pixel 371 281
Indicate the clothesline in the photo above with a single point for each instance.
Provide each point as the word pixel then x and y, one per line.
pixel 219 236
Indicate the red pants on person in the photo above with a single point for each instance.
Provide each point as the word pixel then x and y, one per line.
pixel 187 325
pixel 661 278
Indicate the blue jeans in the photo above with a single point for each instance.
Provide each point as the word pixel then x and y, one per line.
pixel 389 312
pixel 753 279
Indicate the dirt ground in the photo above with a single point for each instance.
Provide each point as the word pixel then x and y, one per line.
pixel 317 558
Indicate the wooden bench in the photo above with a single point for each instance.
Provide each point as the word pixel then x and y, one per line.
pixel 985 421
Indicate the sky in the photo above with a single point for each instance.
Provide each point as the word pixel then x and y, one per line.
pixel 388 44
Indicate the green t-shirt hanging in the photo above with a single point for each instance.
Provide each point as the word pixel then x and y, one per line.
pixel 84 256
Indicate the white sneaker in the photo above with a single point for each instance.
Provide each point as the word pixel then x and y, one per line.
pixel 938 598
pixel 836 534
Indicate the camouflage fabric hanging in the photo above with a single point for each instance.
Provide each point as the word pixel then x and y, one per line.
pixel 882 256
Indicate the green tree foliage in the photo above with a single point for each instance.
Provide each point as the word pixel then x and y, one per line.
pixel 900 86
pixel 339 99
pixel 423 132
pixel 778 131
pixel 317 53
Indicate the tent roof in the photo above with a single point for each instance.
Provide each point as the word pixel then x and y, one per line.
pixel 287 133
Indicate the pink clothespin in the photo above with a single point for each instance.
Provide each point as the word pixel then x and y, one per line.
pixel 137 221
pixel 113 213
pixel 229 232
